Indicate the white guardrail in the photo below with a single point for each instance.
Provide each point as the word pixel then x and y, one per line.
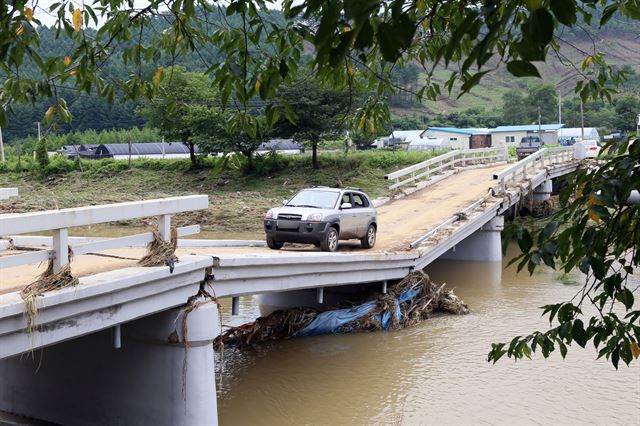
pixel 526 167
pixel 462 157
pixel 59 221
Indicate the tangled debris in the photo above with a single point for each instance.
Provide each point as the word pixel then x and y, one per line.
pixel 161 252
pixel 406 303
pixel 47 281
pixel 546 208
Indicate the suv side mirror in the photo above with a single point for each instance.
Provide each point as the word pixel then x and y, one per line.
pixel 284 202
pixel 345 206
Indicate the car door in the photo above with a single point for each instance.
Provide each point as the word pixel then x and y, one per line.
pixel 362 213
pixel 348 221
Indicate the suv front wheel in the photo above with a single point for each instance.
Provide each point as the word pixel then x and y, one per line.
pixel 369 239
pixel 330 240
pixel 273 244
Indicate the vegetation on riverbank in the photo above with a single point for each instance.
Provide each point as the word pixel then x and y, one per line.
pixel 238 200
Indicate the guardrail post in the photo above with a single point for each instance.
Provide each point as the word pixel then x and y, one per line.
pixel 164 226
pixel 61 248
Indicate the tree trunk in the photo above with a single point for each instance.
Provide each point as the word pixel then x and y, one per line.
pixel 314 155
pixel 249 160
pixel 192 153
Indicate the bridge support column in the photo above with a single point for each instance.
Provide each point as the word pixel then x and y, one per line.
pixel 541 193
pixel 484 245
pixel 151 379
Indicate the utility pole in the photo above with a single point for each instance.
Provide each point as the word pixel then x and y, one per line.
pixel 582 118
pixel 1 147
pixel 559 107
pixel 163 147
pixel 539 122
pixel 39 137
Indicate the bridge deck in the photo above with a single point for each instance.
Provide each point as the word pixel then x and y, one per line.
pixel 400 222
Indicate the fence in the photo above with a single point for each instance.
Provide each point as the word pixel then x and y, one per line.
pixel 437 164
pixel 59 221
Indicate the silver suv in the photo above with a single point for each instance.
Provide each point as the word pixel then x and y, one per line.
pixel 322 216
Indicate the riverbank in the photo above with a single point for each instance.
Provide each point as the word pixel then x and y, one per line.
pixel 238 199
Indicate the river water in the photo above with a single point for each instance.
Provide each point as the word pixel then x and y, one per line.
pixel 433 373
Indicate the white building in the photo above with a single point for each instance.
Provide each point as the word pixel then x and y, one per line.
pixel 511 135
pixel 460 138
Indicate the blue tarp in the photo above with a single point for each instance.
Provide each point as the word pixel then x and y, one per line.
pixel 331 321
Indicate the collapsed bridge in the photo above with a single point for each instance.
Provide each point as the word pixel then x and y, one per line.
pixel 118 337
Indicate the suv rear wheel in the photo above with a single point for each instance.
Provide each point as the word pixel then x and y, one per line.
pixel 369 240
pixel 273 244
pixel 330 240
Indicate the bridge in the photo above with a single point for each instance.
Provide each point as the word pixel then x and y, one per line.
pixel 133 345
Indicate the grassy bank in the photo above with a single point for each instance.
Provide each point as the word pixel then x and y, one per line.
pixel 238 199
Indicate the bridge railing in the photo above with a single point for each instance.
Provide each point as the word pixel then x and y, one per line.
pixel 425 169
pixel 59 222
pixel 526 167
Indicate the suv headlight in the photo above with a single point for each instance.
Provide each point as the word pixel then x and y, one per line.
pixel 269 215
pixel 314 217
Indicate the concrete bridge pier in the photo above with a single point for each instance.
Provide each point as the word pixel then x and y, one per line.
pixel 150 379
pixel 540 193
pixel 484 245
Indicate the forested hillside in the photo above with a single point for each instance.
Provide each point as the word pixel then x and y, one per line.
pixel 482 107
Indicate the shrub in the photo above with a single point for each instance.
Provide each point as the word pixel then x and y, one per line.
pixel 42 155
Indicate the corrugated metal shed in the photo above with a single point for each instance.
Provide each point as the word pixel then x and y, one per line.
pixel 281 145
pixel 141 149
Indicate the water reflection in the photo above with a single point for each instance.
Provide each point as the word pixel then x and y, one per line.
pixel 435 372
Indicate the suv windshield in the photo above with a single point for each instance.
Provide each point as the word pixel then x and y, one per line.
pixel 316 199
pixel 531 141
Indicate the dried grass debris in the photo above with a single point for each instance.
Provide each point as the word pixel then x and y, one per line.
pixel 159 251
pixel 47 281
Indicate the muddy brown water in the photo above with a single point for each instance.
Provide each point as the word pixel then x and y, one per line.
pixel 436 372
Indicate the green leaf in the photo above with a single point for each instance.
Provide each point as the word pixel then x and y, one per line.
pixel 525 241
pixel 578 333
pixel 563 349
pixel 564 10
pixel 626 297
pixel 539 28
pixel 608 13
pixel 523 69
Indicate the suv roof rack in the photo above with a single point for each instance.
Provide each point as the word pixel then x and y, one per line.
pixel 353 188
